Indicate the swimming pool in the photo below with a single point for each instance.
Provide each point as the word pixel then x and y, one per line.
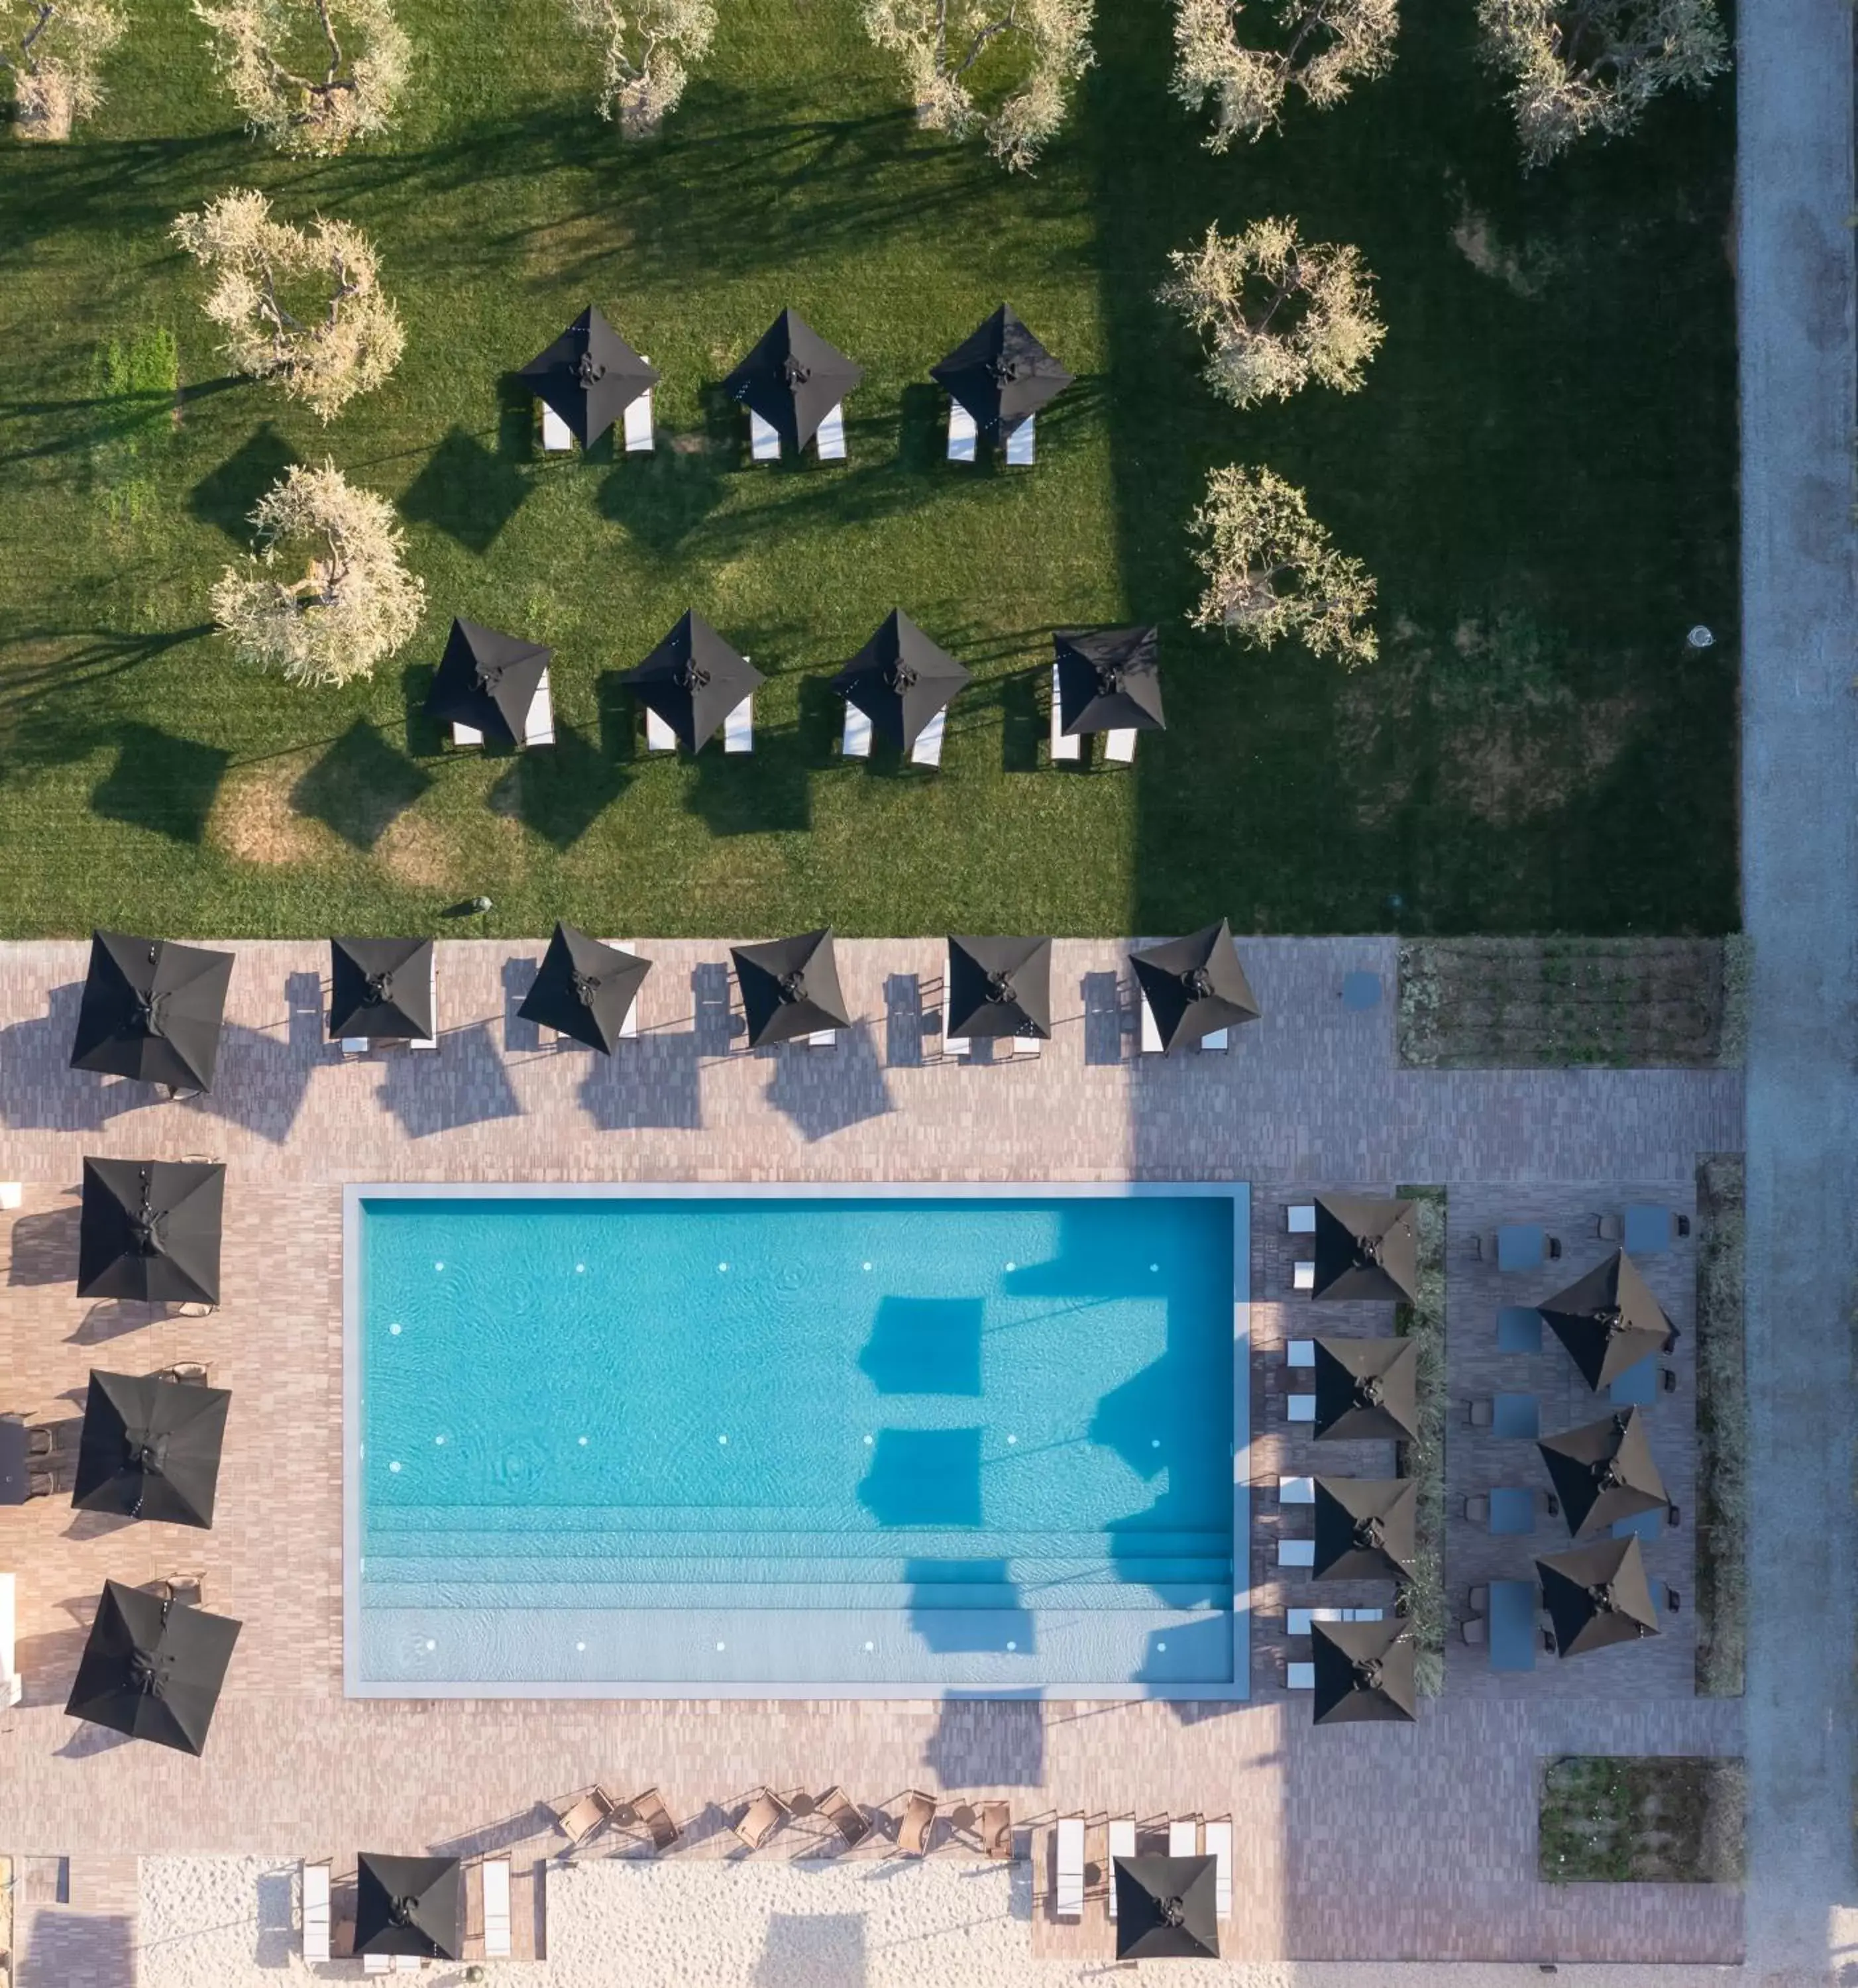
pixel 656 1441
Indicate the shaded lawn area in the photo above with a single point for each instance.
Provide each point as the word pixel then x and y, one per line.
pixel 1540 473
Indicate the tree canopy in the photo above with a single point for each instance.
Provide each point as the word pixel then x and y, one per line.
pixel 1319 46
pixel 310 75
pixel 646 49
pixel 55 50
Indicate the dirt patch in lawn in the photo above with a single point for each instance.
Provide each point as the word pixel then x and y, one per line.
pixel 417 854
pixel 254 819
pixel 1612 1819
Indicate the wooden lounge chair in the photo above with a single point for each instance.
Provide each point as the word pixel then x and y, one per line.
pixel 1068 1894
pixel 1608 1228
pixel 845 1816
pixel 760 1819
pixel 997 1830
pixel 653 1814
pixel 189 1373
pixel 582 1819
pixel 919 1819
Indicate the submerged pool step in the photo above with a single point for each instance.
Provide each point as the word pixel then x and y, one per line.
pixel 547 1519
pixel 1028 1570
pixel 574 1535
pixel 908 1596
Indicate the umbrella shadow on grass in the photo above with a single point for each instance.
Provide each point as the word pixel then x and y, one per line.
pixel 360 786
pixel 660 499
pixel 160 782
pixel 561 790
pixel 762 792
pixel 466 490
pixel 824 1091
pixel 226 497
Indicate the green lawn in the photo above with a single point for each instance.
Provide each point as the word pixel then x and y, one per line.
pixel 1541 472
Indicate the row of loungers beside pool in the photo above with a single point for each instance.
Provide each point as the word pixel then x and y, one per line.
pixel 1187 1837
pixel 767 1813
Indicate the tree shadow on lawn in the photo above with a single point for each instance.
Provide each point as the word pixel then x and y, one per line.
pixel 227 496
pixel 125 188
pixel 360 786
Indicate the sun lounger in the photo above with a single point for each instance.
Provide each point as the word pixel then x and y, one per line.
pixel 1296 1490
pixel 952 1046
pixel 1021 443
pixel 1299 1353
pixel 844 1816
pixel 1184 1837
pixel 430 1041
pixel 821 1039
pixel 629 1029
pixel 1300 1677
pixel 316 1915
pixel 355 1046
pixel 961 433
pixel 497 1908
pixel 1122 1844
pixel 659 736
pixel 1215 1040
pixel 997 1831
pixel 12 1686
pixel 927 750
pixel 1300 1407
pixel 638 422
pixel 1028 1045
pixel 1300 1218
pixel 919 1819
pixel 378 1963
pixel 1219 1847
pixel 1120 747
pixel 1303 1275
pixel 651 1812
pixel 1151 1029
pixel 855 740
pixel 1065 745
pixel 539 726
pixel 738 728
pixel 1296 1553
pixel 828 438
pixel 556 435
pixel 762 1818
pixel 764 439
pixel 580 1822
pixel 1068 1899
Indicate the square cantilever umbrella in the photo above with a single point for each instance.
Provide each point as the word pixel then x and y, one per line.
pixel 1364 1671
pixel 1194 986
pixel 1001 373
pixel 790 987
pixel 381 987
pixel 1108 680
pixel 1603 1471
pixel 153 1668
pixel 584 989
pixel 999 987
pixel 1597 1595
pixel 1367 1389
pixel 152 1010
pixel 150 1230
pixel 487 681
pixel 1608 1320
pixel 150 1448
pixel 589 375
pixel 1365 1528
pixel 412 1905
pixel 693 680
pixel 1366 1248
pixel 1166 1907
pixel 793 378
pixel 900 680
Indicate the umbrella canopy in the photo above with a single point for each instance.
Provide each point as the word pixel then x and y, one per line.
pixel 1195 986
pixel 488 680
pixel 1604 1471
pixel 1608 1320
pixel 1364 1671
pixel 381 987
pixel 410 1905
pixel 153 1668
pixel 151 1009
pixel 589 375
pixel 1597 1595
pixel 900 680
pixel 584 989
pixel 150 1448
pixel 1365 1528
pixel 1166 1909
pixel 1367 1389
pixel 790 987
pixel 793 378
pixel 1108 680
pixel 1365 1248
pixel 999 987
pixel 1001 373
pixel 693 680
pixel 150 1230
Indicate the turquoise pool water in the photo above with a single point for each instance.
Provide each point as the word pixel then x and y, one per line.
pixel 619 1442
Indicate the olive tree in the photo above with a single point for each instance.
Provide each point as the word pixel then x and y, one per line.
pixel 1271 570
pixel 302 306
pixel 1033 50
pixel 1582 67
pixel 1319 46
pixel 55 50
pixel 329 595
pixel 646 48
pixel 310 75
pixel 1276 313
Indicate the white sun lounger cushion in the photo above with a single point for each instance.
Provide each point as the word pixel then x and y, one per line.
pixel 961 433
pixel 1300 1407
pixel 1296 1553
pixel 1184 1837
pixel 539 724
pixel 430 1041
pixel 1028 1045
pixel 659 736
pixel 1299 1353
pixel 738 728
pixel 497 1908
pixel 630 1026
pixel 952 1046
pixel 828 437
pixel 1065 745
pixel 1296 1490
pixel 316 1913
pixel 764 439
pixel 1119 746
pixel 556 435
pixel 638 423
pixel 1219 1847
pixel 1151 1029
pixel 1304 1276
pixel 1122 1844
pixel 1069 1904
pixel 855 741
pixel 1021 443
pixel 1300 1677
pixel 927 750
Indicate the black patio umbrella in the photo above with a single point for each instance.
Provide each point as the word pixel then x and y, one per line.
pixel 589 375
pixel 1365 1528
pixel 900 680
pixel 153 1668
pixel 584 989
pixel 152 1010
pixel 1597 1595
pixel 1367 1389
pixel 1608 1320
pixel 1364 1671
pixel 693 680
pixel 1001 373
pixel 1365 1249
pixel 1604 1471
pixel 793 378
pixel 381 987
pixel 410 1905
pixel 1195 985
pixel 487 680
pixel 999 987
pixel 1108 680
pixel 150 1448
pixel 150 1230
pixel 1166 1909
pixel 790 987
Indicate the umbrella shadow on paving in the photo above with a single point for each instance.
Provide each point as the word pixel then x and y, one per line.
pixel 714 1024
pixel 41 1093
pixel 112 1318
pixel 44 1248
pixel 651 1082
pixel 161 782
pixel 660 499
pixel 226 497
pixel 824 1091
pixel 360 786
pixel 808 1950
pixel 466 490
pixel 463 1084
pixel 1103 997
pixel 902 1021
pixel 521 1036
pixel 560 791
pixel 261 1083
pixel 995 1741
